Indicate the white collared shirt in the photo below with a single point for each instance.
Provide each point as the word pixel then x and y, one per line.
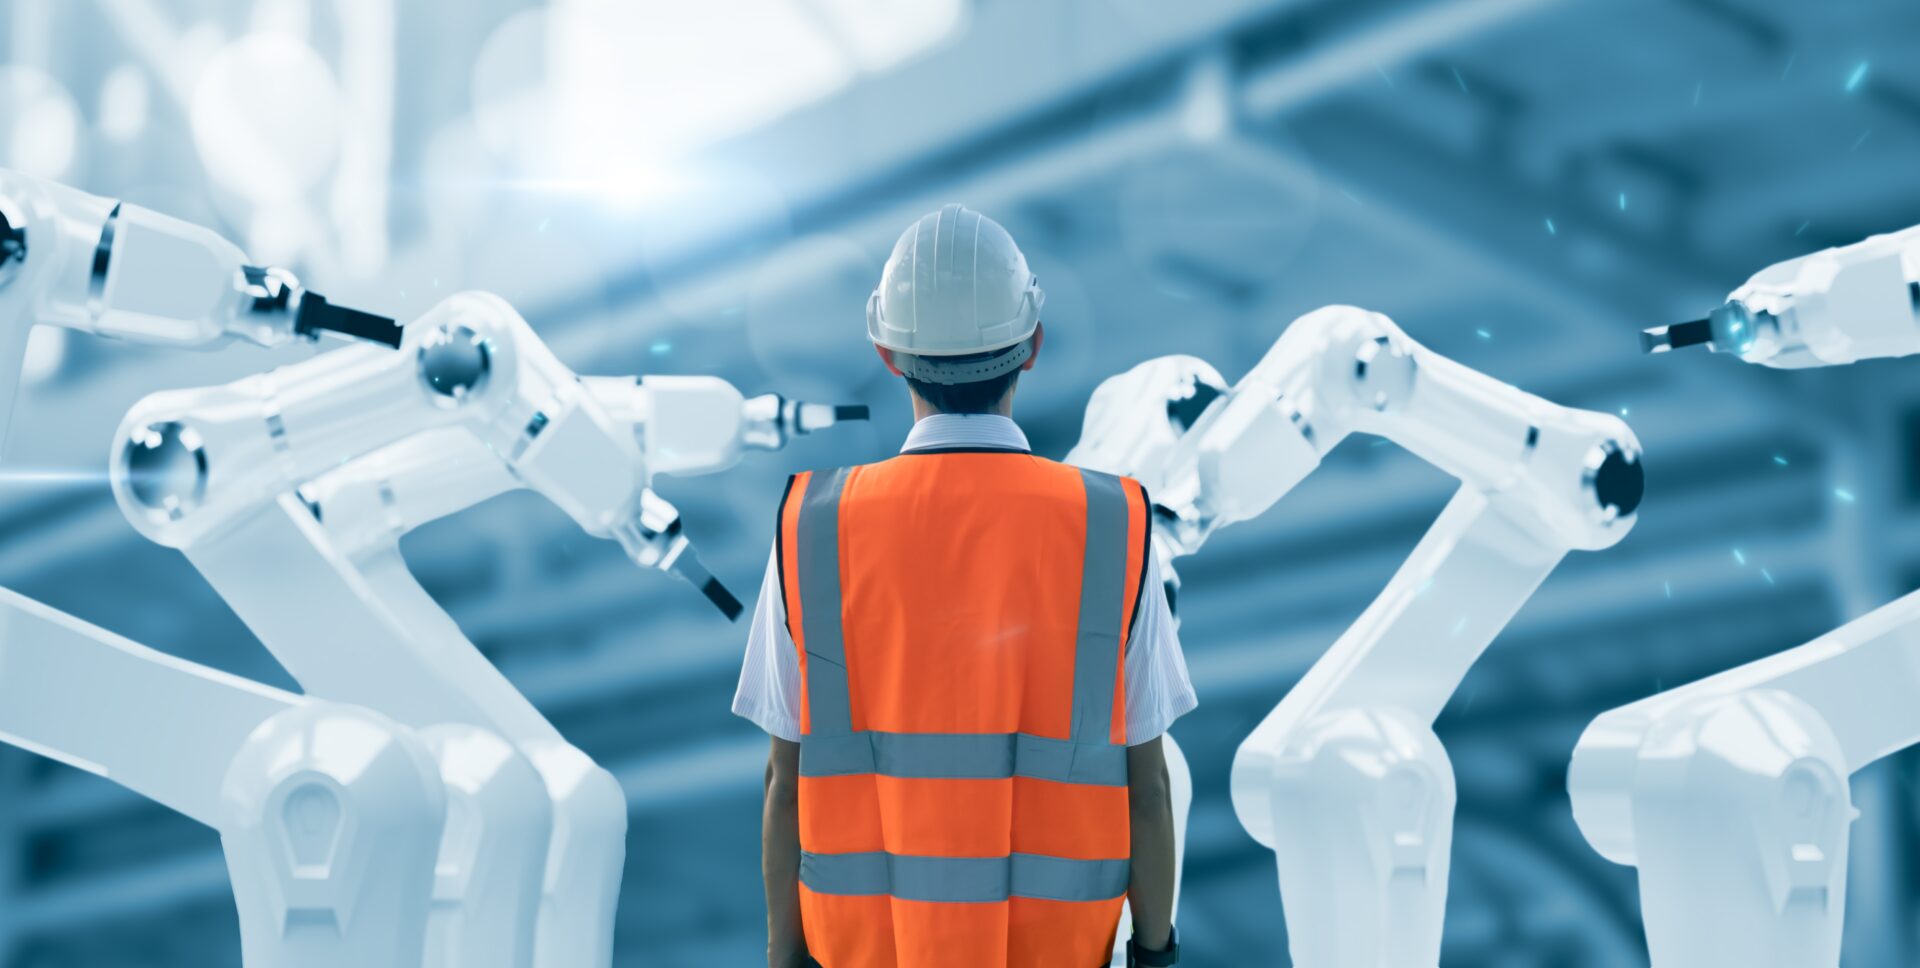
pixel 1157 688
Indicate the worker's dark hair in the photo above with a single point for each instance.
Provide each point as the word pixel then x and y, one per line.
pixel 978 397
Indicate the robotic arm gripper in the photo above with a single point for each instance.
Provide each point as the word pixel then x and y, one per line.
pixel 1345 779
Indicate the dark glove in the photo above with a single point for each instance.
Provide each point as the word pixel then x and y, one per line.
pixel 1138 957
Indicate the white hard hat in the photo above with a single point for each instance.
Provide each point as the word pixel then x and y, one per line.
pixel 955 285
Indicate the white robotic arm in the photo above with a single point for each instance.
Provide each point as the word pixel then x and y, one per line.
pixel 96 265
pixel 1345 779
pixel 1835 306
pixel 190 462
pixel 1731 794
pixel 328 813
pixel 344 614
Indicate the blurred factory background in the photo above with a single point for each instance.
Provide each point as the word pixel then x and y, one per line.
pixel 710 187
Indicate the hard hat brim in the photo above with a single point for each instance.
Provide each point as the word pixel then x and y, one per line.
pixel 954 373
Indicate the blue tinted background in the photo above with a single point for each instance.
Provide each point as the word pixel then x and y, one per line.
pixel 1521 184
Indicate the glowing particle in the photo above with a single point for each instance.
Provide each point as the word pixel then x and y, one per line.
pixel 1740 556
pixel 1623 411
pixel 1669 587
pixel 1859 76
pixel 1843 494
pixel 542 230
pixel 1457 626
pixel 1697 88
pixel 1463 82
pixel 1483 333
pixel 1768 576
pixel 1550 228
pixel 1623 201
pixel 1780 459
pixel 1803 227
pixel 661 348
pixel 1857 142
pixel 1784 71
pixel 1384 75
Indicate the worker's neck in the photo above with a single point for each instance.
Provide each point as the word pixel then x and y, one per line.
pixel 922 409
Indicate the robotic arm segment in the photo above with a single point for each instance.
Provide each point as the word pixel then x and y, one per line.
pixel 367 504
pixel 124 271
pixel 691 425
pixel 1858 680
pixel 329 814
pixel 380 432
pixel 1351 747
pixel 70 691
pixel 471 362
pixel 1410 649
pixel 1575 474
pixel 1836 306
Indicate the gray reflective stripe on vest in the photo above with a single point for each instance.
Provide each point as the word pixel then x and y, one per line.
pixel 829 709
pixel 964 756
pixel 962 880
pixel 830 747
pixel 1103 583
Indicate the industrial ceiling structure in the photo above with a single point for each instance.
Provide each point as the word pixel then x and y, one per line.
pixel 711 188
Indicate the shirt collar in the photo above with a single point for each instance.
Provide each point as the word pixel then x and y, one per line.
pixel 984 430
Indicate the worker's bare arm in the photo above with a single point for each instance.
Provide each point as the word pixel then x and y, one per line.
pixel 780 857
pixel 1150 890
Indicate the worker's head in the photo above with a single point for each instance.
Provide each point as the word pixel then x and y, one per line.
pixel 957 313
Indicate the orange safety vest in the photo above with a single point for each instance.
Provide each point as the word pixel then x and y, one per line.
pixel 961 619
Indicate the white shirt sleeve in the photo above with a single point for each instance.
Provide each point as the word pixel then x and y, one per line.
pixel 769 691
pixel 1157 688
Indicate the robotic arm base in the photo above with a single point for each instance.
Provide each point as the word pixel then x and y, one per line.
pixel 585 862
pixel 1769 889
pixel 1357 806
pixel 1739 814
pixel 331 818
pixel 493 853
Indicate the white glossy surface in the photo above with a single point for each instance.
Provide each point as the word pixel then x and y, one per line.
pixel 328 813
pixel 1730 794
pixel 367 449
pixel 1344 779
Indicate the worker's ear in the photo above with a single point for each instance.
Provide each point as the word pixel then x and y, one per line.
pixel 1039 336
pixel 886 356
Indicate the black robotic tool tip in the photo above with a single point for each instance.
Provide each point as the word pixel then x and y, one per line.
pixel 850 411
pixel 1620 482
pixel 1661 339
pixel 722 599
pixel 318 316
